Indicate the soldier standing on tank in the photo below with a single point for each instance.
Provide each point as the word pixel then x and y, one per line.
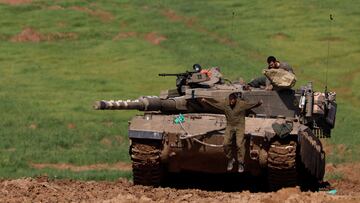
pixel 273 63
pixel 234 142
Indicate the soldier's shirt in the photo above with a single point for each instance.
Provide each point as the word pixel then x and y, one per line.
pixel 286 66
pixel 234 116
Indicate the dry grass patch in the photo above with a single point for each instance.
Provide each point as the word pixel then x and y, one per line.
pixel 31 35
pixel 105 16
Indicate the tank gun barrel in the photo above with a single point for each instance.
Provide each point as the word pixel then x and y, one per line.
pixel 141 104
pixel 119 105
pixel 170 74
pixel 187 73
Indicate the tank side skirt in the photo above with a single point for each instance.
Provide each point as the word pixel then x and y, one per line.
pixel 311 152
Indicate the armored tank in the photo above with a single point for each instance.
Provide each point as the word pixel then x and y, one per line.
pixel 177 132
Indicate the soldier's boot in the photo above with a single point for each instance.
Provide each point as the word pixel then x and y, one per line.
pixel 241 168
pixel 230 165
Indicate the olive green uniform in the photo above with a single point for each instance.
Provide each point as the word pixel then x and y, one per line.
pixel 264 81
pixel 286 66
pixel 235 128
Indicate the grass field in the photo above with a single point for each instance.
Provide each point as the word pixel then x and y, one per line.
pixel 80 51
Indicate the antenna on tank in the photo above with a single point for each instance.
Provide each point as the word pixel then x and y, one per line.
pixel 232 23
pixel 331 18
pixel 232 31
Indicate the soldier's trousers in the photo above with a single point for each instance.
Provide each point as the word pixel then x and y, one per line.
pixel 234 143
pixel 260 82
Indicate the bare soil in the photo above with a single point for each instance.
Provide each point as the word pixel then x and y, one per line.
pixel 105 16
pixel 152 37
pixel 280 36
pixel 120 166
pixel 15 2
pixel 27 35
pixel 124 35
pixel 172 15
pixel 191 23
pixel 42 189
pixel 55 7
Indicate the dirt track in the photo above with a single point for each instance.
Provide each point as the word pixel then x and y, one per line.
pixel 44 190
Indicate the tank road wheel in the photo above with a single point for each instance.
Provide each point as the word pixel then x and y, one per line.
pixel 282 164
pixel 146 162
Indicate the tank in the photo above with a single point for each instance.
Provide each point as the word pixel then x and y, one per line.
pixel 178 132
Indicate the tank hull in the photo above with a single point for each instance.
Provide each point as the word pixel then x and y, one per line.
pixel 196 146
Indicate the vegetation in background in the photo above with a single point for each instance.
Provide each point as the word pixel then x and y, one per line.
pixel 58 57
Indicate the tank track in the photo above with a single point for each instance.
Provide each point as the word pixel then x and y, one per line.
pixel 282 171
pixel 146 162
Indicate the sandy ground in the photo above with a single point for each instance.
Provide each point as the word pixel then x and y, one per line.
pixel 42 189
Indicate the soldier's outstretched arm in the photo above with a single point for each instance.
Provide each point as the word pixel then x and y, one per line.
pixel 248 105
pixel 216 105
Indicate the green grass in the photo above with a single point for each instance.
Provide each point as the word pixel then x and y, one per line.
pixel 47 86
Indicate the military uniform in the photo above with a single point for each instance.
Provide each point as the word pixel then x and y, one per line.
pixel 258 82
pixel 264 81
pixel 286 66
pixel 235 128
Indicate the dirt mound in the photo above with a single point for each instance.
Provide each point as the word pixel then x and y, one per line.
pixel 105 16
pixel 55 8
pixel 124 35
pixel 33 126
pixel 120 166
pixel 152 37
pixel 31 35
pixel 191 22
pixel 172 15
pixel 15 2
pixel 27 35
pixel 44 190
pixel 280 36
